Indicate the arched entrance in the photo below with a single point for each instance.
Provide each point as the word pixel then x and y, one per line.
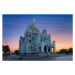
pixel 40 49
pixel 45 47
pixel 49 49
pixel 52 49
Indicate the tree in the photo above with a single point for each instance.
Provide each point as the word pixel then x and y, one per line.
pixel 70 50
pixel 16 51
pixel 6 49
pixel 63 51
pixel 66 51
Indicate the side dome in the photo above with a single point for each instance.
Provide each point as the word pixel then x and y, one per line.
pixel 28 30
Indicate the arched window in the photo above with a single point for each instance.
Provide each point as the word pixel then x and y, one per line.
pixel 40 48
pixel 45 38
pixel 36 34
pixel 29 40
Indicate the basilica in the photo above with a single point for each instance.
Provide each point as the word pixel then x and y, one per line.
pixel 35 41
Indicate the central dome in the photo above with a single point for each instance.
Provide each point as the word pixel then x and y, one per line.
pixel 33 25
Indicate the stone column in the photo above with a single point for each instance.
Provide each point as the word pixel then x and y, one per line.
pixel 27 47
pixel 42 47
pixel 37 47
pixel 47 49
pixel 54 49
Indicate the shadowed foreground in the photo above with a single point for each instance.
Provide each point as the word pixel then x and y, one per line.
pixel 51 57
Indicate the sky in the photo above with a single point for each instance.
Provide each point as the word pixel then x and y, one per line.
pixel 59 26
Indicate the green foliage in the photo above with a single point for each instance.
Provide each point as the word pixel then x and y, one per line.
pixel 6 49
pixel 16 51
pixel 66 51
pixel 70 50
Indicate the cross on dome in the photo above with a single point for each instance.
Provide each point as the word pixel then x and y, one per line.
pixel 33 20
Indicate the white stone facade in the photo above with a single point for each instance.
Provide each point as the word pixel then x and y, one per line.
pixel 36 42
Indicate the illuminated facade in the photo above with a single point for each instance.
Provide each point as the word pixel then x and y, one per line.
pixel 36 42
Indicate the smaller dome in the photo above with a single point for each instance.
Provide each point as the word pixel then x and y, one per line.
pixel 28 30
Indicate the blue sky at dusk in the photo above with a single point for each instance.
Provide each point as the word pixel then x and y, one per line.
pixel 59 26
